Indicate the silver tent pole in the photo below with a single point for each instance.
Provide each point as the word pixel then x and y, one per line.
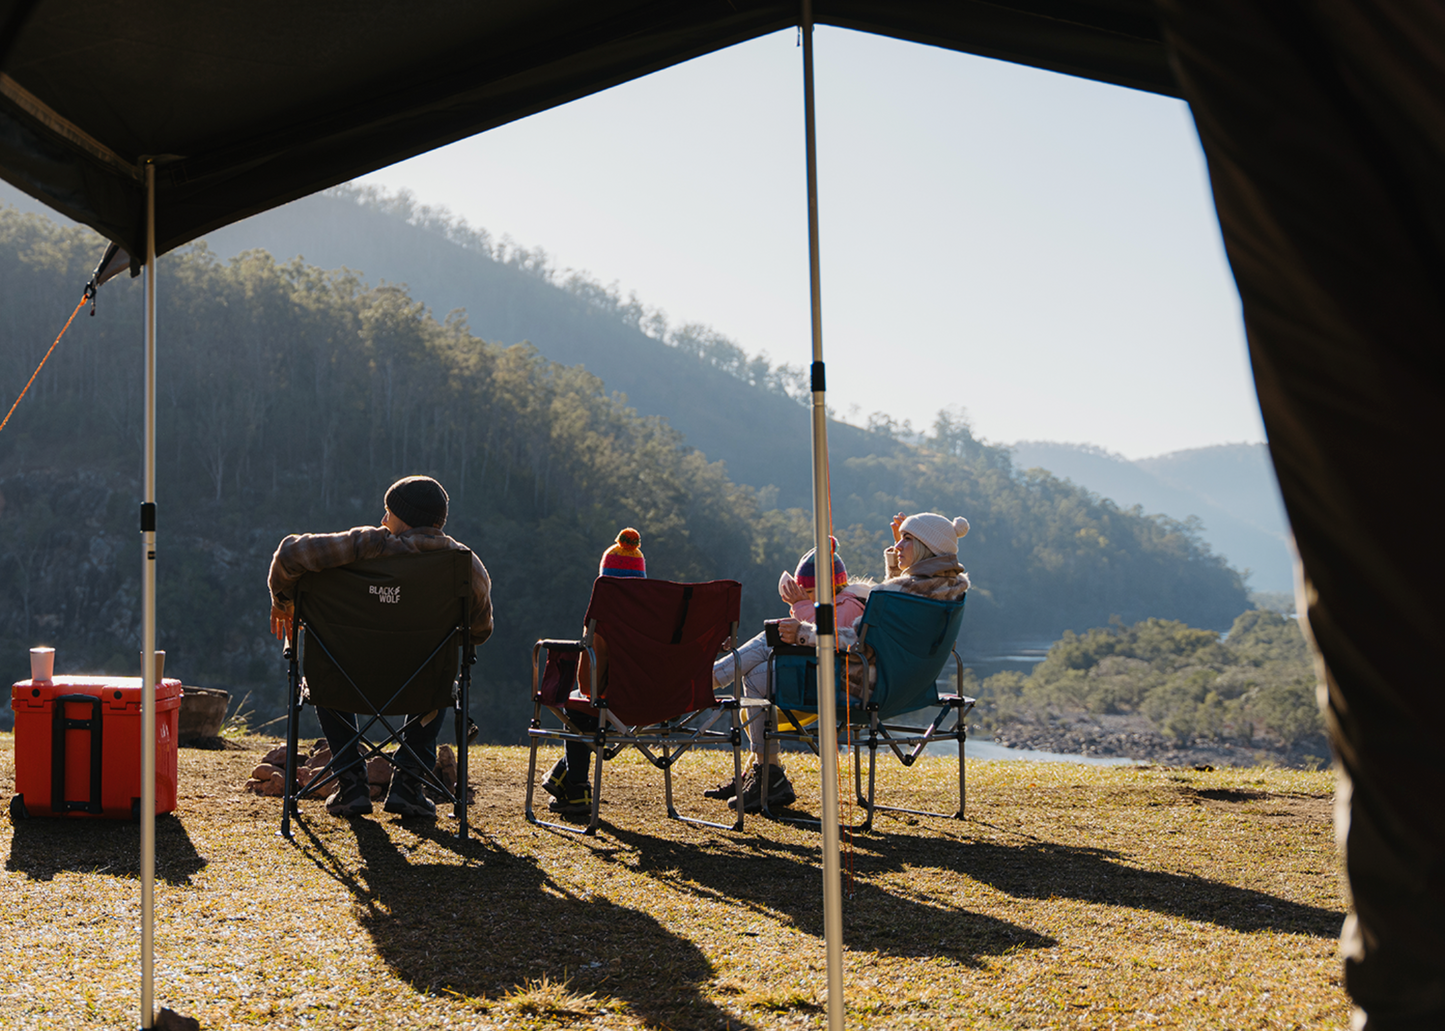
pixel 823 563
pixel 148 627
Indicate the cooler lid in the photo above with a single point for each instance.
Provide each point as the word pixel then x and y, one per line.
pixel 116 692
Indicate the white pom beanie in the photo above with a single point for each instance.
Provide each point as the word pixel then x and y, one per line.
pixel 940 534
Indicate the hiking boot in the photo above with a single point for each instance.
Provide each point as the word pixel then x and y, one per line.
pixel 727 789
pixel 555 783
pixel 352 796
pixel 780 790
pixel 407 798
pixel 573 798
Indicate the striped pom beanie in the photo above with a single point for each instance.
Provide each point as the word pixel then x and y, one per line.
pixel 807 576
pixel 625 557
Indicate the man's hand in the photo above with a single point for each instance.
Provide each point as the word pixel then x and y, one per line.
pixel 280 623
pixel 896 525
pixel 788 630
pixel 790 590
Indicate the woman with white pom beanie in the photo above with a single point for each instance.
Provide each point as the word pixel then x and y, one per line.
pixel 922 561
pixel 924 556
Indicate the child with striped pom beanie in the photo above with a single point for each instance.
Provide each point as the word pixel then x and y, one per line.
pixel 625 557
pixel 568 781
pixel 800 590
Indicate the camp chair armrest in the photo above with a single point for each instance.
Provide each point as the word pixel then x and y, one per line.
pixel 561 646
pixel 959 700
pixel 808 650
pixel 795 649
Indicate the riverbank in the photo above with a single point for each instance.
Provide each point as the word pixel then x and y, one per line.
pixel 1134 737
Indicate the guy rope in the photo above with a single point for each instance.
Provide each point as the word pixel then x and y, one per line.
pixel 89 293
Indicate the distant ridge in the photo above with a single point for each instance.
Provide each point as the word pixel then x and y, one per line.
pixel 1230 487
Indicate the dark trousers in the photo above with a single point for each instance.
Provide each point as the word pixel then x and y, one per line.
pixel 579 755
pixel 340 730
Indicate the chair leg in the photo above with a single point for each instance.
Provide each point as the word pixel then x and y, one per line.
pixel 872 769
pixel 765 766
pixel 667 784
pixel 596 786
pixel 459 809
pixel 532 763
pixel 293 718
pixel 737 743
pixel 962 796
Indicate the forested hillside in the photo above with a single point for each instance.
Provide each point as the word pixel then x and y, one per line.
pixel 290 397
pixel 737 407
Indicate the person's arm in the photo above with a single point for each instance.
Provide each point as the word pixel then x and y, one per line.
pixel 794 631
pixel 789 589
pixel 891 563
pixel 482 620
pixel 299 554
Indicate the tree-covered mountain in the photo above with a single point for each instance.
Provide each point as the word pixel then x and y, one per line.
pixel 1230 488
pixel 732 405
pixel 740 409
pixel 291 396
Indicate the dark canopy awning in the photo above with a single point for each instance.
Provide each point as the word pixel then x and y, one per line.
pixel 1324 126
pixel 248 105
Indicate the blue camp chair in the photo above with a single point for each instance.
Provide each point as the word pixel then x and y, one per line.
pixel 908 640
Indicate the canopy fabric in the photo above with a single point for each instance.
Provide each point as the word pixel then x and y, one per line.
pixel 248 105
pixel 1324 127
pixel 1323 122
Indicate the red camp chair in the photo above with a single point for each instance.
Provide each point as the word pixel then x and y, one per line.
pixel 657 696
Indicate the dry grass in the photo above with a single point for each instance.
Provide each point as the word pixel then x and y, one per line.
pixel 1073 897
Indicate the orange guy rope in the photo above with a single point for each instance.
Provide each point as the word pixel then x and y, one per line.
pixel 68 321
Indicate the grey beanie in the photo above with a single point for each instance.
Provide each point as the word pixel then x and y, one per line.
pixel 418 501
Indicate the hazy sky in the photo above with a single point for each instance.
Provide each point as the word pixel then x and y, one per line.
pixel 1039 249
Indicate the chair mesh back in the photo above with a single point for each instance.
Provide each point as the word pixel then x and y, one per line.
pixel 662 638
pixel 384 620
pixel 911 639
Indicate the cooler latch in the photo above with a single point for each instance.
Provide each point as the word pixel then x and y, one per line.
pixel 60 723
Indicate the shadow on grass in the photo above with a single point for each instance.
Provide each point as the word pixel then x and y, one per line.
pixel 44 847
pixel 496 923
pixel 1044 869
pixel 775 878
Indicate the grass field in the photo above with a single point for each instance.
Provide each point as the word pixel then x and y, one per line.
pixel 1072 897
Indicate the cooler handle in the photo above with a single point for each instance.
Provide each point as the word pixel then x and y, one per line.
pixel 59 724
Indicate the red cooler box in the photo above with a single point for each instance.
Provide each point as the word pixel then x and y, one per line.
pixel 78 746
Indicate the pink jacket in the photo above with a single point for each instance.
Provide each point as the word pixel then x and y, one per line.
pixel 847 609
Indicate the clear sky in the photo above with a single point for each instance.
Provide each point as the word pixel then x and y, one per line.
pixel 1039 249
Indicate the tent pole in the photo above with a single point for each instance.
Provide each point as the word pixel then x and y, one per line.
pixel 823 562
pixel 148 625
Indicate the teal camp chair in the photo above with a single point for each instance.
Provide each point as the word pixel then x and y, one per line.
pixel 908 639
